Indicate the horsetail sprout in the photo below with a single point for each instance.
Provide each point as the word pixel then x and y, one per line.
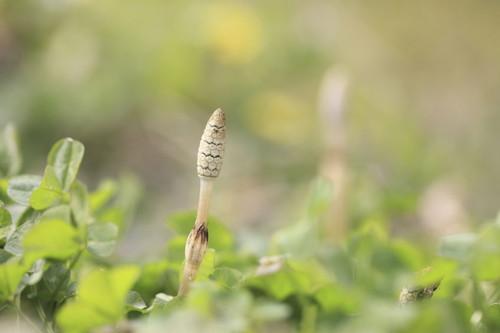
pixel 210 156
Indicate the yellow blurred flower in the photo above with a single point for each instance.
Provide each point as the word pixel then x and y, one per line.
pixel 280 118
pixel 234 32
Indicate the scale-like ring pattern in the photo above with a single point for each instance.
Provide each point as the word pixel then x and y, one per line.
pixel 211 150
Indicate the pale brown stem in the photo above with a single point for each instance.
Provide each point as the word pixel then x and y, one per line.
pixel 206 186
pixel 187 277
pixel 208 164
pixel 198 237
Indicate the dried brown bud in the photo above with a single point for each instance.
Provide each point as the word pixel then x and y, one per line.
pixel 196 245
pixel 409 295
pixel 211 149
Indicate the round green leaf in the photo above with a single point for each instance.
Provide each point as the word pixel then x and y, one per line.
pixel 20 188
pixel 65 157
pixel 53 239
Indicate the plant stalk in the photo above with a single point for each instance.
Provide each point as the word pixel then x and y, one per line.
pixel 206 186
pixel 209 163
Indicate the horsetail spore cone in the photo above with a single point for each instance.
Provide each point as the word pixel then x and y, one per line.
pixel 211 150
pixel 209 163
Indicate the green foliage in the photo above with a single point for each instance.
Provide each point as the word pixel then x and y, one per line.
pixel 21 187
pixel 102 238
pixel 51 239
pixel 5 223
pixel 64 161
pixel 11 274
pixel 56 262
pixel 220 238
pixel 292 278
pixel 114 201
pixel 100 299
pixel 48 193
pixel 47 228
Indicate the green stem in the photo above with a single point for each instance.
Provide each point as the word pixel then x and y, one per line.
pixel 20 313
pixel 3 306
pixel 41 313
pixel 309 316
pixel 68 272
pixel 50 326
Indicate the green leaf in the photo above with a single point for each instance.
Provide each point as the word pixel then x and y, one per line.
pixel 227 277
pixel 175 248
pixel 440 268
pixel 5 223
pixel 55 283
pixel 159 302
pixel 115 215
pixel 35 273
pixel 21 187
pixel 270 311
pixel 101 300
pixel 334 298
pixel 486 260
pixel 407 254
pixel 458 247
pixel 65 158
pixel 5 256
pixel 491 319
pixel 299 239
pixel 61 212
pixel 220 237
pixel 11 274
pixel 48 193
pixel 435 316
pixel 116 202
pixel 53 239
pixel 397 256
pixel 10 157
pixel 135 302
pixel 320 198
pixel 155 277
pixel 103 195
pixel 383 316
pixel 43 198
pixel 487 266
pixel 80 203
pixel 102 238
pixel 32 276
pixel 207 266
pixel 15 241
pixel 23 215
pixel 79 317
pixel 182 223
pixel 301 277
pixel 62 167
pixel 4 184
pixel 303 237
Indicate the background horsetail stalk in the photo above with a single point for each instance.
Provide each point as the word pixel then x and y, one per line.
pixel 209 163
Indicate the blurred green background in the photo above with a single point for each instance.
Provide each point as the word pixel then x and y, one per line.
pixel 409 93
